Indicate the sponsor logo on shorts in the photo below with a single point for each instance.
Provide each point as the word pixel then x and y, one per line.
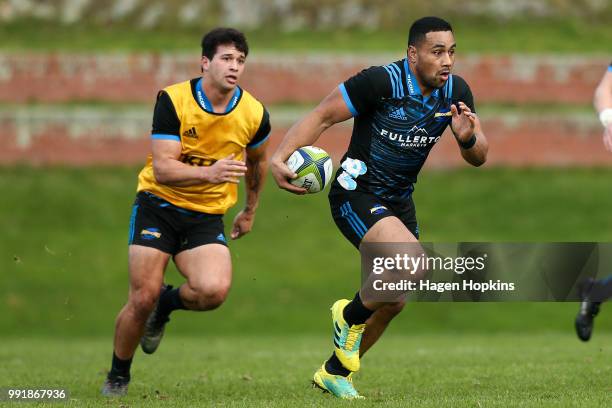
pixel 150 233
pixel 221 237
pixel 379 209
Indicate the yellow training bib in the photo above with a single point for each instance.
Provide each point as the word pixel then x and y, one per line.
pixel 206 137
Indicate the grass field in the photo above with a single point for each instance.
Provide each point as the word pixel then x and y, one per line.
pixel 410 370
pixel 63 278
pixel 473 35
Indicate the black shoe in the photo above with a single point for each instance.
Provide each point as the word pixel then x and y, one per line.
pixel 154 327
pixel 588 311
pixel 115 386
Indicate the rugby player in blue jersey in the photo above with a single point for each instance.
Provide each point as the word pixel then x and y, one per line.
pixel 400 111
pixel 594 293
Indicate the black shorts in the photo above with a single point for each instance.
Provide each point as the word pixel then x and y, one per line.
pixel 156 223
pixel 356 212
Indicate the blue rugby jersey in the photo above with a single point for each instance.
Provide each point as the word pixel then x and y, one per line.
pixel 395 128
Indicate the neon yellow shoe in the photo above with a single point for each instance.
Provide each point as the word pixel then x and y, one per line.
pixel 339 386
pixel 346 339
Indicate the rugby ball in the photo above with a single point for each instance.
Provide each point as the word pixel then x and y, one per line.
pixel 313 167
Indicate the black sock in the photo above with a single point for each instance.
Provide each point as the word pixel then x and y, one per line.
pixel 169 301
pixel 120 368
pixel 601 290
pixel 355 312
pixel 335 367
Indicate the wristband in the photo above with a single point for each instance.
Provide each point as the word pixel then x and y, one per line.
pixel 469 144
pixel 605 116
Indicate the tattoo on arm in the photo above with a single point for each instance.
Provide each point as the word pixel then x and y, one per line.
pixel 253 178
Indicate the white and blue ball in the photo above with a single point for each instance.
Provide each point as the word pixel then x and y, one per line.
pixel 313 167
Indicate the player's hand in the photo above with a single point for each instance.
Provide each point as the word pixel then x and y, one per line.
pixel 225 170
pixel 464 123
pixel 243 222
pixel 607 138
pixel 282 174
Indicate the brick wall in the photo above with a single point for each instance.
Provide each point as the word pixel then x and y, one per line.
pixel 80 135
pixel 108 136
pixel 282 78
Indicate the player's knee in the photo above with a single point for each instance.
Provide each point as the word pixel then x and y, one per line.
pixel 210 297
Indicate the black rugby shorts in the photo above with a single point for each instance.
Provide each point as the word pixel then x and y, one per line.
pixel 355 212
pixel 156 223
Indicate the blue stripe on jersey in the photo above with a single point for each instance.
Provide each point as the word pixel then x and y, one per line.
pixel 394 78
pixel 256 145
pixel 398 71
pixel 347 100
pixel 202 99
pixel 234 100
pixel 413 88
pixel 132 223
pixel 161 136
pixel 207 105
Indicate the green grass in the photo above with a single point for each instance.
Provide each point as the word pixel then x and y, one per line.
pixel 473 35
pixel 63 252
pixel 63 278
pixel 406 370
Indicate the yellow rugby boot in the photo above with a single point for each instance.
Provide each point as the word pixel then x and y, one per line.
pixel 346 339
pixel 337 385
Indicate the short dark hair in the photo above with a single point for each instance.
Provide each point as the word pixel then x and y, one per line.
pixel 425 25
pixel 223 36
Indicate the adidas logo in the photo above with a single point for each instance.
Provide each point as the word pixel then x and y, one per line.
pixel 191 133
pixel 398 114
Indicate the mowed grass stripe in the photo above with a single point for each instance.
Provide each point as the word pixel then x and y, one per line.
pixel 407 369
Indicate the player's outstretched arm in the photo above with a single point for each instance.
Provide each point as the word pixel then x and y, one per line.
pixel 602 100
pixel 169 170
pixel 306 132
pixel 468 133
pixel 257 168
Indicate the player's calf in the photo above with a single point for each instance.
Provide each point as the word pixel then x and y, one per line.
pixel 377 323
pixel 169 300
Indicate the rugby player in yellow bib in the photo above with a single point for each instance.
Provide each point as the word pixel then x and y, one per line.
pixel 207 133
